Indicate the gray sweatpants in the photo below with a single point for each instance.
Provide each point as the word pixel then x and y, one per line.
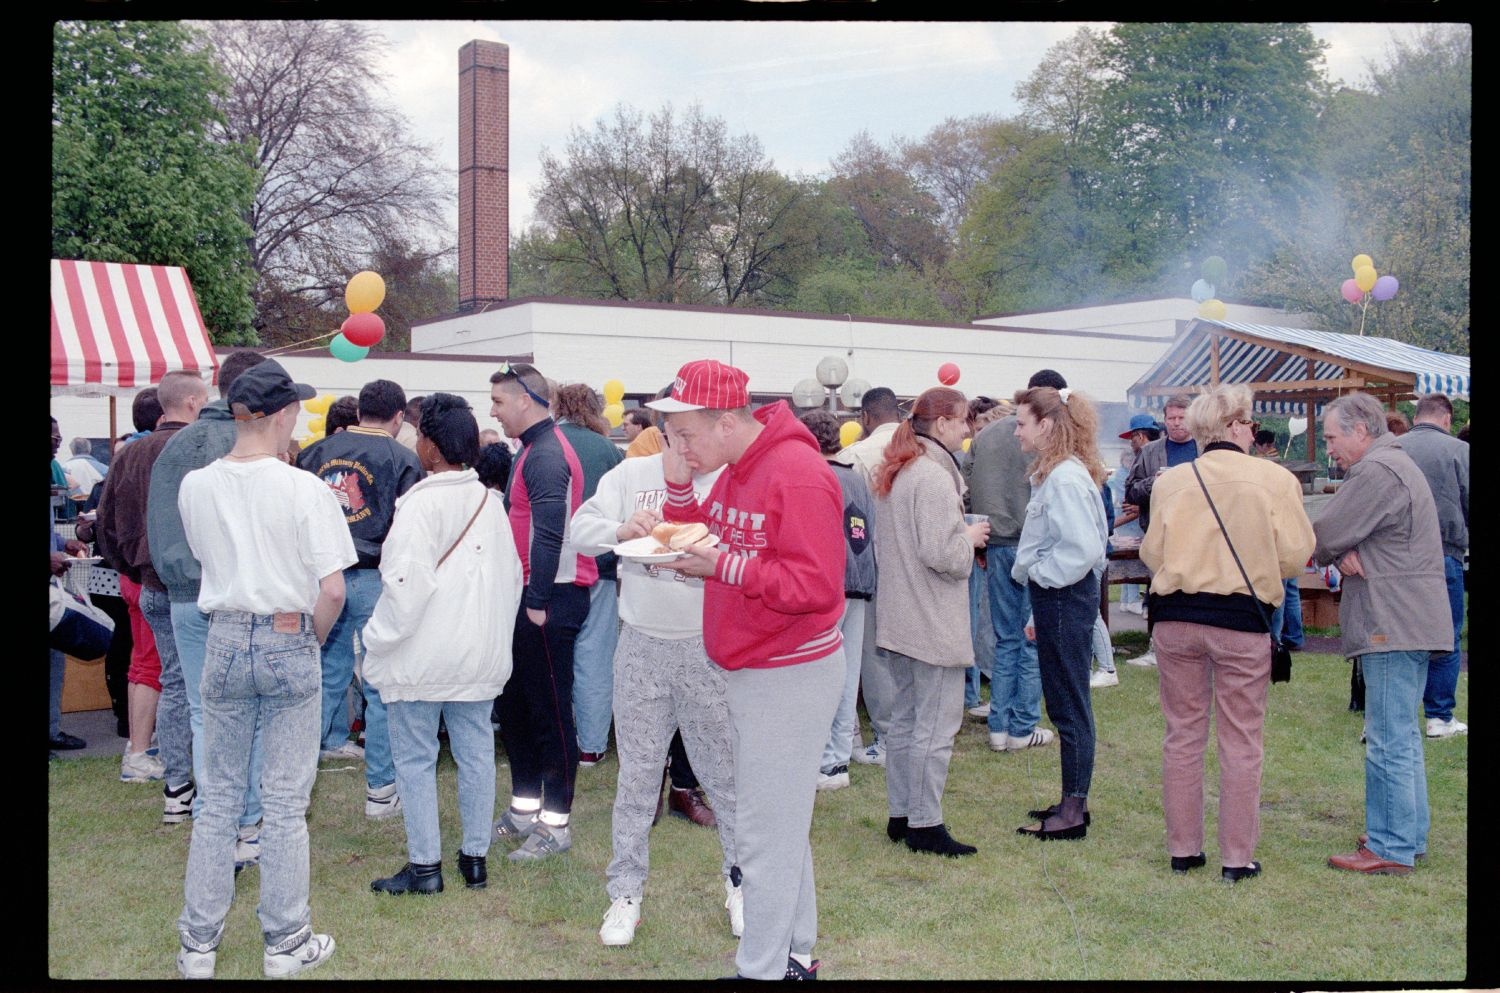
pixel 780 721
pixel 875 678
pixel 928 711
pixel 662 685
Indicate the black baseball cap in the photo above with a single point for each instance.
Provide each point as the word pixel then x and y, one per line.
pixel 264 389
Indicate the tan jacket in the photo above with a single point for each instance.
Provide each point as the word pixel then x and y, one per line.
pixel 1261 504
pixel 1384 511
pixel 924 557
pixel 867 453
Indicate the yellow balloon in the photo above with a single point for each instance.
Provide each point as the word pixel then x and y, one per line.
pixel 967 443
pixel 365 292
pixel 614 391
pixel 1360 261
pixel 614 413
pixel 316 425
pixel 1213 310
pixel 311 406
pixel 849 433
pixel 1365 276
pixel 305 442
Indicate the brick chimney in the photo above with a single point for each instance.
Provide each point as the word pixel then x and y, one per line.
pixel 483 174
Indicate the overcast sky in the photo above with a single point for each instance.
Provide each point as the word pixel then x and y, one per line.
pixel 803 88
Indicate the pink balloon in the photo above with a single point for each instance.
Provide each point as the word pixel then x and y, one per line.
pixel 948 373
pixel 1385 288
pixel 1351 291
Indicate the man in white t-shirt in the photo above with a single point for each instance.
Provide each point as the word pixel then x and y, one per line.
pixel 663 681
pixel 273 545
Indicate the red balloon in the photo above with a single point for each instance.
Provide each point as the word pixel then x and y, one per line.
pixel 363 330
pixel 947 373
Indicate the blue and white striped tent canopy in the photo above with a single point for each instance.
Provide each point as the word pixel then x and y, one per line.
pixel 1254 354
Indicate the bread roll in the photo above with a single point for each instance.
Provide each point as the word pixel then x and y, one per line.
pixel 663 532
pixel 686 535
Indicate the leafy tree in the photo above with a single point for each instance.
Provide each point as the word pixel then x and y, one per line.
pixel 670 208
pixel 901 221
pixel 137 175
pixel 340 176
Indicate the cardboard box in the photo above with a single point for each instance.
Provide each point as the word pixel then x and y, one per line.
pixel 83 686
pixel 1320 607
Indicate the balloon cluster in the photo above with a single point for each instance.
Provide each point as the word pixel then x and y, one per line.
pixel 1214 273
pixel 1367 285
pixel 363 328
pixel 614 402
pixel 318 405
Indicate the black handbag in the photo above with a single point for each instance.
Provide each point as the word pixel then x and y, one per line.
pixel 1281 656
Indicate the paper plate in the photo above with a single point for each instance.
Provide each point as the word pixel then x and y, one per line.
pixel 643 550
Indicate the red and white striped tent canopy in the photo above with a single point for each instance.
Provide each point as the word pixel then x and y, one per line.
pixel 117 328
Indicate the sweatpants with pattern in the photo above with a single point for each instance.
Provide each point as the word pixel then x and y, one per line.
pixel 779 723
pixel 662 685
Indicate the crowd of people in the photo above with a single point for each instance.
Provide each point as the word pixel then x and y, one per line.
pixel 411 578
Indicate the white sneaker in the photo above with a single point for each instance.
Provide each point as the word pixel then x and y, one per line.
pixel 1133 607
pixel 620 921
pixel 836 779
pixel 195 965
pixel 1039 736
pixel 382 801
pixel 348 750
pixel 1439 728
pixel 874 755
pixel 311 953
pixel 1147 659
pixel 141 767
pixel 734 902
pixel 247 846
pixel 982 710
pixel 1104 677
pixel 998 741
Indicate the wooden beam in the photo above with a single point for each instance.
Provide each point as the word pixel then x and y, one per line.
pixel 1213 359
pixel 1316 356
pixel 1329 386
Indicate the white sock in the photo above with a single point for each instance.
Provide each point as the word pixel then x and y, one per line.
pixel 553 819
pixel 525 805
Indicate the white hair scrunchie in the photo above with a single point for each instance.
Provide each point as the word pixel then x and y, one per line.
pixel 1064 393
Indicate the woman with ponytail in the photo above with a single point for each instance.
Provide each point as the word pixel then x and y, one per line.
pixel 923 553
pixel 1060 557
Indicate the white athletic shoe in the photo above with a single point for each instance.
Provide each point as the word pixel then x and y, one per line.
pixel 980 710
pixel 620 921
pixel 1147 659
pixel 141 767
pixel 196 965
pixel 313 952
pixel 835 779
pixel 348 750
pixel 1439 728
pixel 1039 736
pixel 874 755
pixel 382 801
pixel 1104 677
pixel 734 902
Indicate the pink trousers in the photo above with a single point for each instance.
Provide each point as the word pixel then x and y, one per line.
pixel 1207 670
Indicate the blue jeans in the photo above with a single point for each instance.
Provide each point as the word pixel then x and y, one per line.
pixel 189 634
pixel 846 718
pixel 1015 680
pixel 1396 814
pixel 1064 633
pixel 59 668
pixel 1101 647
pixel 981 633
pixel 1130 593
pixel 414 746
pixel 361 590
pixel 1442 667
pixel 174 727
pixel 1286 620
pixel 593 667
pixel 254 675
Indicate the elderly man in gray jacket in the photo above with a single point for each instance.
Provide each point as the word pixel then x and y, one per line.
pixel 1381 527
pixel 1444 460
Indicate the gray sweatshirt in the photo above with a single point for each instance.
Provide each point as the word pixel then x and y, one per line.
pixel 998 483
pixel 1444 460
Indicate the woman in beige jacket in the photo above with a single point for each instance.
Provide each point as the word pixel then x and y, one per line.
pixel 1212 649
pixel 924 550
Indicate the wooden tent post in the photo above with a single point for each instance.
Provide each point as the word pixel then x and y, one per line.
pixel 113 433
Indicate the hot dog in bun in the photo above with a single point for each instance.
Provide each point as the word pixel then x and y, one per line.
pixel 676 537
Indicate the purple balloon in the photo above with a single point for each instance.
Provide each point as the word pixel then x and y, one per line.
pixel 1385 288
pixel 1351 291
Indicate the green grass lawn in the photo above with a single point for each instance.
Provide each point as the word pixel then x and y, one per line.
pixel 1106 908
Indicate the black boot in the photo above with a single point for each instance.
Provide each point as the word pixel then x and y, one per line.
pixel 895 828
pixel 937 840
pixel 413 878
pixel 473 869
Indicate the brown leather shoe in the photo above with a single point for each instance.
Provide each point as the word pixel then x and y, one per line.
pixel 693 805
pixel 1366 861
pixel 1364 842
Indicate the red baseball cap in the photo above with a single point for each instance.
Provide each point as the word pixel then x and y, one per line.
pixel 706 384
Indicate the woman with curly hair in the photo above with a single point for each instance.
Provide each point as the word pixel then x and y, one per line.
pixel 923 553
pixel 1060 557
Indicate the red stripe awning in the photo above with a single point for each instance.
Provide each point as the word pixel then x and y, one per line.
pixel 117 328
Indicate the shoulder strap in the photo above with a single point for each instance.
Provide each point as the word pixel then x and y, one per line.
pixel 482 500
pixel 1265 619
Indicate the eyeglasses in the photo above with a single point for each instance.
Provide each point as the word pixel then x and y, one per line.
pixel 1247 422
pixel 507 370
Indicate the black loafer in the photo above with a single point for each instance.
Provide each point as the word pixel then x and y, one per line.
pixel 1233 874
pixel 64 742
pixel 1053 811
pixel 472 868
pixel 1182 863
pixel 1074 833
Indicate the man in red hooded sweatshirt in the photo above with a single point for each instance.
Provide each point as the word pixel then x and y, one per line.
pixel 774 591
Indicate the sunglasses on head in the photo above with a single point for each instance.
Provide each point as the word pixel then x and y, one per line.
pixel 507 370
